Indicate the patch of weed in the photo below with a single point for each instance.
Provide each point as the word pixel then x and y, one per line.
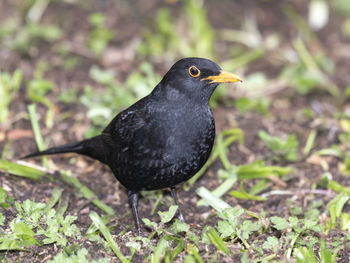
pixel 283 149
pixel 100 35
pixel 9 86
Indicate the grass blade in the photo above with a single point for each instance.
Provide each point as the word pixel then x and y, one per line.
pixel 21 170
pixel 258 170
pixel 36 130
pixel 211 199
pixel 335 186
pixel 310 142
pixel 217 241
pixel 194 251
pixel 259 187
pixel 159 251
pixel 62 205
pixel 107 235
pixel 105 219
pixel 56 195
pixel 178 249
pixel 244 195
pixel 223 188
pixel 335 206
pixel 222 150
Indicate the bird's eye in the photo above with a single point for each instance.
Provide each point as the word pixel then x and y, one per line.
pixel 194 71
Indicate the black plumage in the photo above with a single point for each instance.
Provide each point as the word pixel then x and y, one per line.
pixel 163 139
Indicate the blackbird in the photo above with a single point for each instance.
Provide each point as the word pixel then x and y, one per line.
pixel 164 138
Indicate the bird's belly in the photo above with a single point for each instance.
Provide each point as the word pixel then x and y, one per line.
pixel 166 166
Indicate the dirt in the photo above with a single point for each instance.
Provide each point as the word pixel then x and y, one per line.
pixel 127 20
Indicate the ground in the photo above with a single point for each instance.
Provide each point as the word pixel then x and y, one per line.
pixel 296 82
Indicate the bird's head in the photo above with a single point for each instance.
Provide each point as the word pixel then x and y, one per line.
pixel 194 78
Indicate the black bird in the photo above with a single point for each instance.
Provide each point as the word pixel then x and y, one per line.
pixel 164 138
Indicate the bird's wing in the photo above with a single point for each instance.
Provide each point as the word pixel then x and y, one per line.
pixel 132 130
pixel 121 129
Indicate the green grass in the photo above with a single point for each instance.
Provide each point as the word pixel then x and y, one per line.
pixel 35 220
pixel 9 85
pixel 282 149
pixel 99 35
pixel 38 220
pixel 115 96
pixel 166 40
pixel 26 39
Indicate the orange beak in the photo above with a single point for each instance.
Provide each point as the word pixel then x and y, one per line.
pixel 223 77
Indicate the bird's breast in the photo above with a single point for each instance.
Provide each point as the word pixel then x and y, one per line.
pixel 170 150
pixel 191 137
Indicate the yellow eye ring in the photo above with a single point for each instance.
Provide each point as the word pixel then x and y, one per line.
pixel 194 71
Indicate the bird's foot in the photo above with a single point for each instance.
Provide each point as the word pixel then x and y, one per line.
pixel 180 216
pixel 139 232
pixel 133 197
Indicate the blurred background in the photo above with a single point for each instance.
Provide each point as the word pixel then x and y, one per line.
pixel 107 54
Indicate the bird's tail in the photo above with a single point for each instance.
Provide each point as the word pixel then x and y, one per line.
pixel 93 147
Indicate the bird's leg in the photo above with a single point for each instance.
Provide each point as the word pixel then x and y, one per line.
pixel 179 214
pixel 133 198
